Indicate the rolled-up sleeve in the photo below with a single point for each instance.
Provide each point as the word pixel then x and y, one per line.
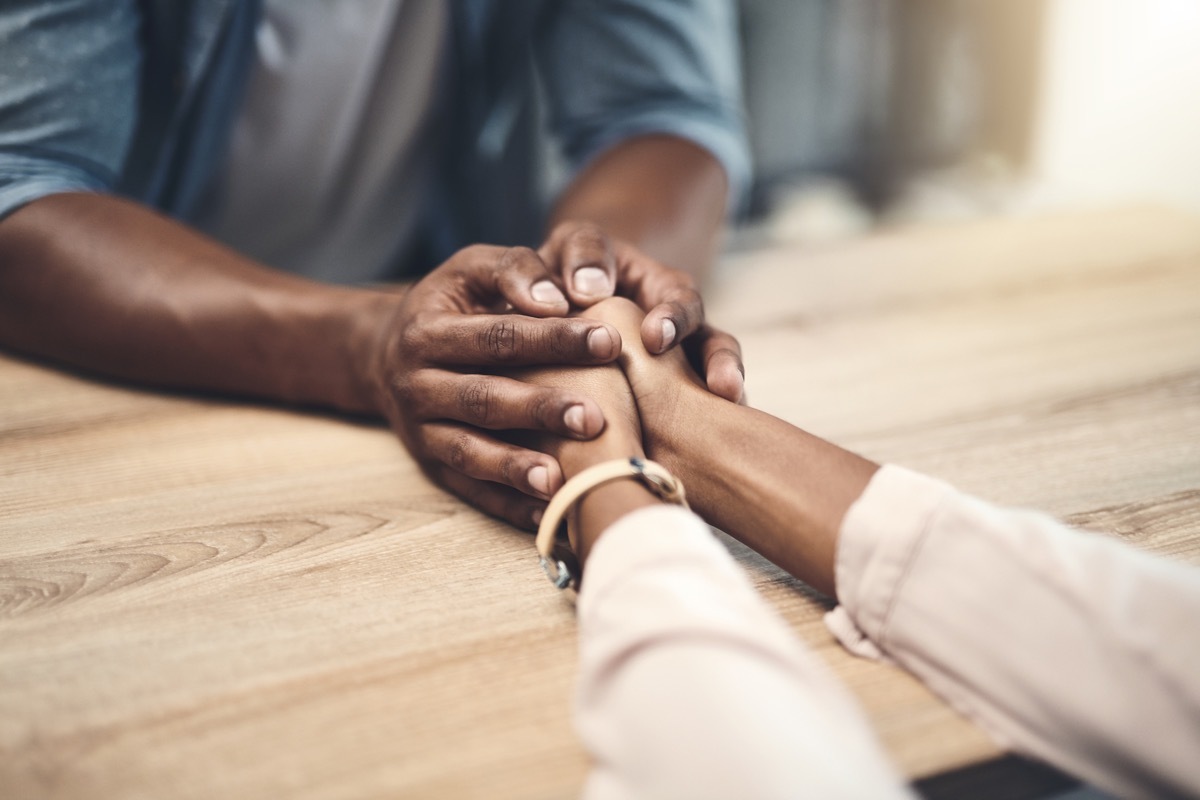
pixel 1068 646
pixel 622 68
pixel 68 96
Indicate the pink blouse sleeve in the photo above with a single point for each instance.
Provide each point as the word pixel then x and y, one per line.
pixel 690 686
pixel 1067 646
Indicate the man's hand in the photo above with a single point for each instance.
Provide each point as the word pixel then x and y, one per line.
pixel 433 375
pixel 595 266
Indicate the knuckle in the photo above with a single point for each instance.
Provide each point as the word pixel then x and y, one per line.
pixel 726 354
pixel 514 257
pixel 589 238
pixel 542 408
pixel 561 342
pixel 404 389
pixel 413 337
pixel 475 253
pixel 510 470
pixel 476 399
pixel 731 344
pixel 458 452
pixel 690 309
pixel 499 340
pixel 563 231
pixel 679 286
pixel 510 259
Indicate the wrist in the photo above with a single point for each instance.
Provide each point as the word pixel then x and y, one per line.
pixel 602 507
pixel 373 335
pixel 575 456
pixel 669 429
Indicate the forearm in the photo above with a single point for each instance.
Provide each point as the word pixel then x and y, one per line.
pixel 664 195
pixel 104 284
pixel 778 489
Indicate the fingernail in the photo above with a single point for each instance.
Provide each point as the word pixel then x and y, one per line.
pixel 547 292
pixel 536 516
pixel 592 281
pixel 668 333
pixel 539 479
pixel 573 419
pixel 600 343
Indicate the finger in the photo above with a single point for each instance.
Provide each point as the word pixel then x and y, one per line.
pixel 497 403
pixel 586 260
pixel 477 455
pixel 511 339
pixel 493 277
pixel 499 501
pixel 676 316
pixel 524 280
pixel 674 308
pixel 720 358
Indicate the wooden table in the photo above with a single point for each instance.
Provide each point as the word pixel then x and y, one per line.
pixel 210 599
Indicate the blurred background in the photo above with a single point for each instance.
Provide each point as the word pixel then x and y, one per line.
pixel 886 112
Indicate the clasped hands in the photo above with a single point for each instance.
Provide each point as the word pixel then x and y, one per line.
pixel 439 366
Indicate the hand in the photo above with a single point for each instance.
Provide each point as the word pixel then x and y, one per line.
pixel 432 375
pixel 621 439
pixel 594 267
pixel 665 387
pixel 774 487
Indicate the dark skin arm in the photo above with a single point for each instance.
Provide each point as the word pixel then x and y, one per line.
pixel 773 486
pixel 108 285
pixel 101 283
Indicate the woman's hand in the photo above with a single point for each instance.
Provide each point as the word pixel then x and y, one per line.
pixel 621 439
pixel 665 387
pixel 775 487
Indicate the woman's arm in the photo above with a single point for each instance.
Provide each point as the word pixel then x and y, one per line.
pixel 780 490
pixel 1067 646
pixel 689 685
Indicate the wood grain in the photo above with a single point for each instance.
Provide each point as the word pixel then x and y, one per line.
pixel 201 598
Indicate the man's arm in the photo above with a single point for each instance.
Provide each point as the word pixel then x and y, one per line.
pixel 111 286
pixel 108 285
